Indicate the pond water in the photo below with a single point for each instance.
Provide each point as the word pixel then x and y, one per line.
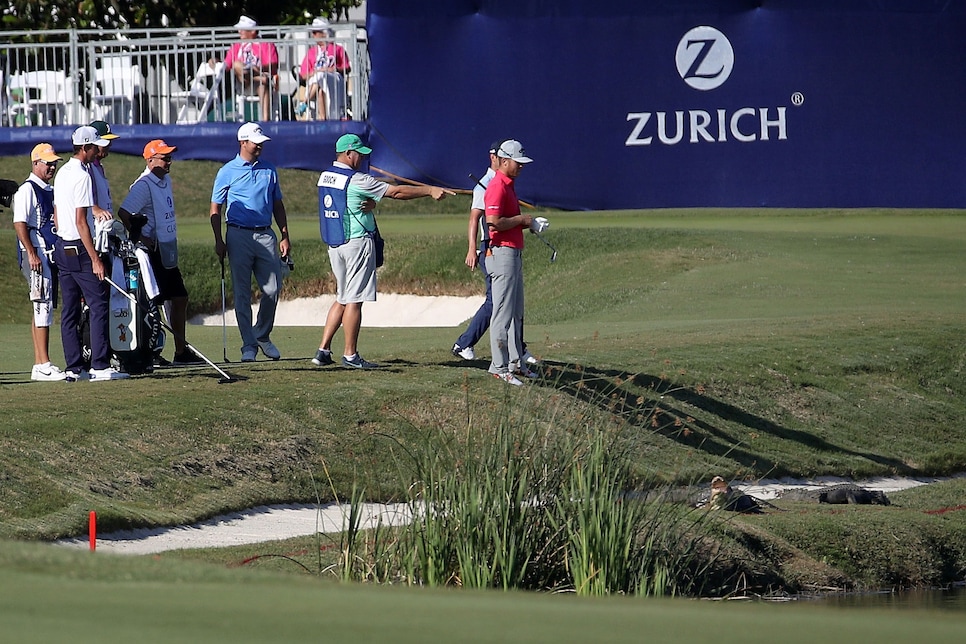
pixel 952 599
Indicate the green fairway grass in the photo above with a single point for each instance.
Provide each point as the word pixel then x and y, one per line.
pixel 740 343
pixel 48 596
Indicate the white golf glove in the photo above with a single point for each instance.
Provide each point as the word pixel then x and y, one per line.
pixel 539 224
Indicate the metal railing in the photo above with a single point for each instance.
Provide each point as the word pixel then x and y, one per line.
pixel 172 76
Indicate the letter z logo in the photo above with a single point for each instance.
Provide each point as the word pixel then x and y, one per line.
pixel 704 58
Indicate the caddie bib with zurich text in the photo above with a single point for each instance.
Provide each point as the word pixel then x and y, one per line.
pixel 333 204
pixel 163 225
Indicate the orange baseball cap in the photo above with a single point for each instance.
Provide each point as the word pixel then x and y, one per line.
pixel 44 152
pixel 156 147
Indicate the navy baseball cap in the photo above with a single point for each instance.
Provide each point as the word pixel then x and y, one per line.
pixel 495 146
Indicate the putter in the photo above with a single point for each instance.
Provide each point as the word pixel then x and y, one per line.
pixel 225 376
pixel 553 255
pixel 224 325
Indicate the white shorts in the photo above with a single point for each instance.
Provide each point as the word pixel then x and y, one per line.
pixel 44 308
pixel 354 266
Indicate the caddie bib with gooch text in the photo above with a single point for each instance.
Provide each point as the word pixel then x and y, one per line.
pixel 333 204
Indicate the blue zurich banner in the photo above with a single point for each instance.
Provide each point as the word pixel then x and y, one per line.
pixel 690 103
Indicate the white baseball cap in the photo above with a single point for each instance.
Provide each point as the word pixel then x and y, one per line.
pixel 513 149
pixel 85 134
pixel 321 24
pixel 252 132
pixel 246 24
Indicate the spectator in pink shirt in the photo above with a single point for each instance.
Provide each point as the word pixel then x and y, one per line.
pixel 255 65
pixel 323 70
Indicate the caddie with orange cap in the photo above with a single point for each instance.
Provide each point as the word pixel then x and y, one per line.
pixel 148 213
pixel 33 219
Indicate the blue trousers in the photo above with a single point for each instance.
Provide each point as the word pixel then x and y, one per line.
pixel 254 253
pixel 481 319
pixel 77 280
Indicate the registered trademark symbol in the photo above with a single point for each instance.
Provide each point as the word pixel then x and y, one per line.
pixel 798 98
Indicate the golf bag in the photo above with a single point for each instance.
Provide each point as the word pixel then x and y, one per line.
pixel 135 330
pixel 8 189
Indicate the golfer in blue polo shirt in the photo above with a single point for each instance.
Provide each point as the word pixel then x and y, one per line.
pixel 249 189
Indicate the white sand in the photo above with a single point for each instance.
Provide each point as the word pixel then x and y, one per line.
pixel 266 523
pixel 269 523
pixel 389 310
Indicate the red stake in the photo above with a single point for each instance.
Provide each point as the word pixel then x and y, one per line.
pixel 92 530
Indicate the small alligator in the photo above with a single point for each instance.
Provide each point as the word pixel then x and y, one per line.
pixel 838 494
pixel 725 497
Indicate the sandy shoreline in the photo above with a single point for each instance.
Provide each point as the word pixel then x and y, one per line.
pixel 270 523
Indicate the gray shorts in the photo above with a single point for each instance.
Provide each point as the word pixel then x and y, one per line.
pixel 354 266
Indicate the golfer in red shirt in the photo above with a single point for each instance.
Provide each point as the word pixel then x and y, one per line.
pixel 505 264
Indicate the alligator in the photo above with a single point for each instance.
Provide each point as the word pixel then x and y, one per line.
pixel 838 494
pixel 725 497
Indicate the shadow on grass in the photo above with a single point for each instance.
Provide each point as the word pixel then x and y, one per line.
pixel 642 401
pixel 175 373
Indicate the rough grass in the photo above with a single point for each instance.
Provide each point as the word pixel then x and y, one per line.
pixel 764 343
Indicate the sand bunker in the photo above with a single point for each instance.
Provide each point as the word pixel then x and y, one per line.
pixel 390 310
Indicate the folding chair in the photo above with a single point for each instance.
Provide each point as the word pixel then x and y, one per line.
pixel 202 94
pixel 40 98
pixel 117 87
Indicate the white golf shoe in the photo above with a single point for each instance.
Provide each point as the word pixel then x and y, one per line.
pixel 47 373
pixel 108 373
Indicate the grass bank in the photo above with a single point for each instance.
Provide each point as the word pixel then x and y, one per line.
pixel 157 600
pixel 739 343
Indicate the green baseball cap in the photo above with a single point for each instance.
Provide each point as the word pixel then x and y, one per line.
pixel 104 130
pixel 349 142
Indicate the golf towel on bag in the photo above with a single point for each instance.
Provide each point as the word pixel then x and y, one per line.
pixel 333 204
pixel 147 274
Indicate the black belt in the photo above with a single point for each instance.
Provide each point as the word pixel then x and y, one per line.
pixel 254 228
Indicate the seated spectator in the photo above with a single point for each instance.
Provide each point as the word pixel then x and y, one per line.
pixel 255 66
pixel 323 70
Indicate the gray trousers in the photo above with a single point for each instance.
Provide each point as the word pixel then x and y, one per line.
pixel 505 268
pixel 255 253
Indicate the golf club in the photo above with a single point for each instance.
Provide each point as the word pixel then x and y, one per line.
pixel 225 376
pixel 224 325
pixel 553 255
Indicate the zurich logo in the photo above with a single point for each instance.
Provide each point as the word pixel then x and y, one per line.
pixel 327 201
pixel 704 58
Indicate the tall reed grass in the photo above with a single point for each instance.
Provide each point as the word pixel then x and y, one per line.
pixel 532 494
